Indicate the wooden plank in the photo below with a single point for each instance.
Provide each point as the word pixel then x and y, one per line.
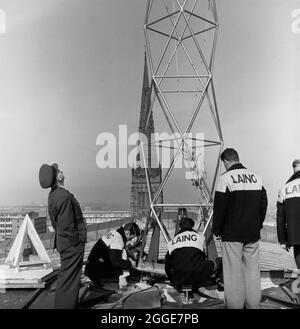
pixel 37 243
pixel 7 273
pixel 153 268
pixel 31 263
pixel 15 253
pixel 24 280
pixel 12 281
pixel 21 285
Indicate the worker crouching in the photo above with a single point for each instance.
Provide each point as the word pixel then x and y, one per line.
pixel 107 259
pixel 186 262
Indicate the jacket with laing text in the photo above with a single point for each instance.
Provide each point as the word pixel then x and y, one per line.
pixel 108 256
pixel 185 256
pixel 240 205
pixel 288 212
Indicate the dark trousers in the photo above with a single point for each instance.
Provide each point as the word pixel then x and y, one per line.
pixel 97 270
pixel 196 277
pixel 297 255
pixel 69 277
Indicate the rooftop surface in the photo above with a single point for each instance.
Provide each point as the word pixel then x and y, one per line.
pixel 272 258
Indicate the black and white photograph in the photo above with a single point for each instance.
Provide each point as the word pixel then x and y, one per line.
pixel 150 159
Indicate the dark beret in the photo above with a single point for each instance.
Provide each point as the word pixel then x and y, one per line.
pixel 47 176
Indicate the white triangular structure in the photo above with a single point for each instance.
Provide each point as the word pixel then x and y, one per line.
pixel 16 252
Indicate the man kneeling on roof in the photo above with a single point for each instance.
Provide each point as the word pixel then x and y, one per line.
pixel 186 262
pixel 108 258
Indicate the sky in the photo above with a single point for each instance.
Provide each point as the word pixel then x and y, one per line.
pixel 72 69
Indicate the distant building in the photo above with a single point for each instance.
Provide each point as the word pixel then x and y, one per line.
pixel 101 216
pixel 96 217
pixel 10 222
pixel 40 209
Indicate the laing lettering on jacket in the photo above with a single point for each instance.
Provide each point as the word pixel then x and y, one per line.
pixel 186 239
pixel 290 190
pixel 239 180
pixel 113 240
pixel 240 205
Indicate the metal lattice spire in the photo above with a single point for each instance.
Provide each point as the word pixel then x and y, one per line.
pixel 177 34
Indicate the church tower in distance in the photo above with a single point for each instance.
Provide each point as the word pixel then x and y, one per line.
pixel 139 203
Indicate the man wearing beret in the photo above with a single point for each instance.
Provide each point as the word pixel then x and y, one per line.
pixel 70 235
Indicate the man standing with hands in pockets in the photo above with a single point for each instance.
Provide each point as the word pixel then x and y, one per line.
pixel 70 235
pixel 240 206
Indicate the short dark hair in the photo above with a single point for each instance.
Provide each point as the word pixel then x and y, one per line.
pixel 296 163
pixel 133 228
pixel 186 222
pixel 230 155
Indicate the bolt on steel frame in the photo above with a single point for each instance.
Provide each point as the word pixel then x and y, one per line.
pixel 184 28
